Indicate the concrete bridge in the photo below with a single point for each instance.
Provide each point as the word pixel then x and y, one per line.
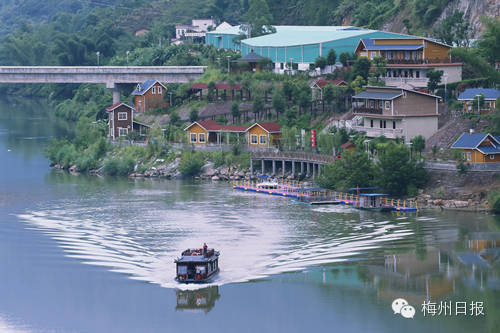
pixel 310 164
pixel 112 76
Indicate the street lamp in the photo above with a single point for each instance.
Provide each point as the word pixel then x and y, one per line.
pixel 170 93
pixel 291 65
pixel 228 68
pixel 445 77
pixel 128 52
pixel 98 54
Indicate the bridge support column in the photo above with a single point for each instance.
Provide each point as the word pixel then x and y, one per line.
pixel 293 169
pixel 263 166
pixel 319 170
pixel 116 92
pixel 274 167
pixel 283 169
pixel 308 171
pixel 314 171
pixel 251 166
pixel 301 168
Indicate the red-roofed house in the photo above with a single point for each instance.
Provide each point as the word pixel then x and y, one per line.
pixel 348 146
pixel 210 131
pixel 318 85
pixel 265 134
pixel 121 121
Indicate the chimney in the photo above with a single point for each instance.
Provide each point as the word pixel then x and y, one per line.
pixel 471 131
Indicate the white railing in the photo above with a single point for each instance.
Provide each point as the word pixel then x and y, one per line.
pixel 397 81
pixel 376 132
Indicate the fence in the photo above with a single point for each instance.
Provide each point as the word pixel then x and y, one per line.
pixel 293 156
pixel 474 167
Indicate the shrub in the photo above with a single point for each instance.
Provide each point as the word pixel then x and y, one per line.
pixel 218 159
pixel 190 164
pixel 86 162
pixel 111 167
pixel 494 201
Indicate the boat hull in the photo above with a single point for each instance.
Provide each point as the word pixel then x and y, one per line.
pixel 208 279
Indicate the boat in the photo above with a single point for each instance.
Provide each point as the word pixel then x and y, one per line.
pixel 267 185
pixel 197 265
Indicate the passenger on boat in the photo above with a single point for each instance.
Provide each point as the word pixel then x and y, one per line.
pixel 205 248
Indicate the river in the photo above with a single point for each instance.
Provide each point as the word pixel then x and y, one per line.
pixel 95 254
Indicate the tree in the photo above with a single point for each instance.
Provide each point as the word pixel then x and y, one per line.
pixel 235 111
pixel 362 67
pixel 331 59
pixel 259 16
pixel 434 79
pixel 396 171
pixel 344 58
pixel 353 169
pixel 257 106
pixel 380 67
pixel 288 89
pixel 328 94
pixel 279 103
pixel 418 144
pixel 455 30
pixel 175 119
pixel 495 118
pixel 211 90
pixel 320 62
pixel 357 84
pixel 489 44
pixel 193 115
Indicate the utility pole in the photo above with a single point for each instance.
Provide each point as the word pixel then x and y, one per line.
pixel 98 54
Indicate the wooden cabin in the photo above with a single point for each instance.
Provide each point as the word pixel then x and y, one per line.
pixel 479 147
pixel 264 134
pixel 469 98
pixel 211 132
pixel 149 95
pixel 121 121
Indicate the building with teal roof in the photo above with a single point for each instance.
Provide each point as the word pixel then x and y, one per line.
pixel 297 44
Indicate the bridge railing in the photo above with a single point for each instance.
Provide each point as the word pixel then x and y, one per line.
pixel 293 156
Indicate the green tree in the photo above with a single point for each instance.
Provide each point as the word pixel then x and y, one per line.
pixel 258 106
pixel 434 79
pixel 357 84
pixel 175 119
pixel 259 16
pixel 362 67
pixel 489 44
pixel 331 58
pixel 380 67
pixel 235 111
pixel 495 118
pixel 344 58
pixel 320 62
pixel 211 90
pixel 193 115
pixel 279 103
pixel 454 30
pixel 352 169
pixel 418 144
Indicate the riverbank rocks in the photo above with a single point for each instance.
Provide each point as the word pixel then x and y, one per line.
pixel 215 178
pixel 208 170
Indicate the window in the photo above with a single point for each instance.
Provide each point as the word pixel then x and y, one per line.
pixel 263 139
pixel 201 137
pixel 153 90
pixel 281 65
pixel 182 269
pixel 417 74
pixel 393 124
pixel 122 115
pixel 380 104
pixel 372 104
pixel 371 122
pixel 159 90
pixel 469 156
pixel 389 55
pixel 253 139
pixel 381 124
pixel 387 105
pixel 385 124
pixel 388 74
pixel 407 55
pixel 492 157
pixel 373 55
pixel 122 131
pixel 193 137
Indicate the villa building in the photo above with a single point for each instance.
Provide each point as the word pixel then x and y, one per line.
pixel 409 59
pixel 197 28
pixel 468 96
pixel 478 147
pixel 149 95
pixel 396 112
pixel 121 121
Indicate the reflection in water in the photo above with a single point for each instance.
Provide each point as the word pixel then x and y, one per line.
pixel 198 300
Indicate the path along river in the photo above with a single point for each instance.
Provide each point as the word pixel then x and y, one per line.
pixel 92 254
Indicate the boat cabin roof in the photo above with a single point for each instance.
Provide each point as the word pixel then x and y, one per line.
pixel 197 255
pixel 373 194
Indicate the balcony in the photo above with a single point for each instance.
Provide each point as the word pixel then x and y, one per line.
pixel 422 61
pixel 398 81
pixel 366 110
pixel 373 132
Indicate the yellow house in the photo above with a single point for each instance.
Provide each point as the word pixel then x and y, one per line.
pixel 479 147
pixel 262 135
pixel 210 132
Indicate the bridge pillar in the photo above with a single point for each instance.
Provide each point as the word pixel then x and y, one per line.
pixel 114 89
pixel 301 168
pixel 263 166
pixel 293 169
pixel 314 171
pixel 308 171
pixel 274 167
pixel 319 170
pixel 283 169
pixel 251 166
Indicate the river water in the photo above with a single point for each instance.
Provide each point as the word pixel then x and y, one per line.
pixel 95 254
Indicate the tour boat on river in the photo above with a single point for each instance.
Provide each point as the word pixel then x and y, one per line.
pixel 197 265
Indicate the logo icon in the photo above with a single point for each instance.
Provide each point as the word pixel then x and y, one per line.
pixel 401 306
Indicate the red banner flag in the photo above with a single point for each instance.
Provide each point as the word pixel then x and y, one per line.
pixel 313 138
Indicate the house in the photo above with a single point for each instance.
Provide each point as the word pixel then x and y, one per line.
pixel 149 95
pixel 469 95
pixel 211 132
pixel 318 85
pixel 121 121
pixel 141 32
pixel 409 59
pixel 253 62
pixel 196 29
pixel 478 147
pixel 348 146
pixel 264 134
pixel 259 135
pixel 396 112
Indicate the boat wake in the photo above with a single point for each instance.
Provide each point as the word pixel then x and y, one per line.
pixel 252 246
